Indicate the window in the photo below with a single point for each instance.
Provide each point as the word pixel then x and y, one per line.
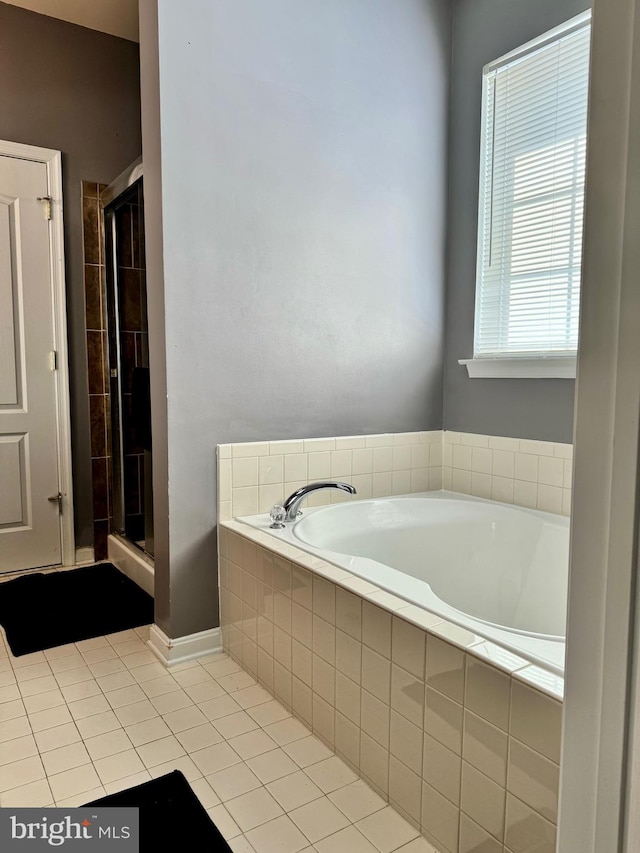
pixel 532 168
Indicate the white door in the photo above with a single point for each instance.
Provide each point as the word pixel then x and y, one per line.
pixel 29 520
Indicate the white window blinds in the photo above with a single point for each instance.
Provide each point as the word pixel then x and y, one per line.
pixel 532 196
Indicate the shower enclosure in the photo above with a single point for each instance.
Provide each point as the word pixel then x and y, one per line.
pixel 131 446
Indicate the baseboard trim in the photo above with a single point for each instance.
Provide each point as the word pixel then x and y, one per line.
pixel 85 554
pixel 172 652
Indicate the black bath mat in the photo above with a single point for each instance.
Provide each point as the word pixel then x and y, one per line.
pixel 40 611
pixel 170 816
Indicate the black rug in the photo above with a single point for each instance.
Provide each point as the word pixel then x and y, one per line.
pixel 40 611
pixel 170 816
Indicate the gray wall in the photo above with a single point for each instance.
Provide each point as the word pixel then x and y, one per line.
pixel 77 91
pixel 541 409
pixel 303 184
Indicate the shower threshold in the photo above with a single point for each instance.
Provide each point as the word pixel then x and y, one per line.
pixel 131 561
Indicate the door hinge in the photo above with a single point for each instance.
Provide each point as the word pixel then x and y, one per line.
pixel 56 499
pixel 53 360
pixel 47 207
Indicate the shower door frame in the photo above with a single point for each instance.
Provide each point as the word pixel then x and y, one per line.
pixel 117 194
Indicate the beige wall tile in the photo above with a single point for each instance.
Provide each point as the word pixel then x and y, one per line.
pixel 302 700
pixel 324 680
pixel 323 720
pixel 319 467
pixel 406 741
pixel 348 698
pixel 405 788
pixel 302 587
pixel 485 747
pixel 474 839
pixel 442 769
pixel 526 830
pixel 443 720
pixel 445 668
pixel 441 818
pixel 376 629
pixel 482 800
pixel 487 692
pixel 374 719
pixel 536 720
pixel 349 613
pixel 348 656
pixel 376 674
pixel 270 470
pixel 347 740
pixel 407 695
pixel 324 599
pixel 533 779
pixel 302 662
pixel 302 625
pixel 324 639
pixel 408 647
pixel 374 763
pixel 362 461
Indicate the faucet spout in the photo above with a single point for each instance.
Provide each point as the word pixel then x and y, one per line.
pixel 292 503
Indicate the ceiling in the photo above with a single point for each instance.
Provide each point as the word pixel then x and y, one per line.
pixel 116 17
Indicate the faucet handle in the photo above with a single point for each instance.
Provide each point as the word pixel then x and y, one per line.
pixel 277 516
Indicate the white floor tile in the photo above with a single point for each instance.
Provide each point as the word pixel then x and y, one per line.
pixel 107 744
pixel 272 765
pixel 294 790
pixel 65 758
pixel 136 713
pixel 223 820
pixel 11 710
pixel 331 774
pixel 252 743
pixel 184 718
pixel 270 712
pixel 16 727
pixel 148 731
pixel 73 676
pixel 254 808
pixel 199 737
pixel 42 701
pixel 17 749
pixel 35 686
pixel 173 701
pixel 346 839
pixel 318 819
pixel 21 772
pixel 160 751
pixel 33 795
pixel 57 737
pixel 117 766
pixel 357 801
pixel 98 724
pixel 221 706
pixel 287 730
pixel 88 707
pixel 183 763
pixel 233 781
pixel 236 724
pixel 115 681
pixel 307 751
pixel 128 782
pixel 81 690
pixel 49 718
pixel 76 781
pixel 205 793
pixel 203 690
pixel 125 696
pixel 213 758
pixel 386 830
pixel 280 834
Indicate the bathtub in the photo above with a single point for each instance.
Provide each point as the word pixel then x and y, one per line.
pixel 497 570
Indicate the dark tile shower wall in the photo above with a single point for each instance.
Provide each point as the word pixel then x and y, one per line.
pixel 98 363
pixel 134 351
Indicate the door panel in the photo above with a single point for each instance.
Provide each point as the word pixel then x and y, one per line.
pixel 29 521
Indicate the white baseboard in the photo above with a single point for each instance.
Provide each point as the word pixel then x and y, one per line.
pixel 85 554
pixel 131 563
pixel 182 649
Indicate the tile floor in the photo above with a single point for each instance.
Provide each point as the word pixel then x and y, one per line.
pixel 91 718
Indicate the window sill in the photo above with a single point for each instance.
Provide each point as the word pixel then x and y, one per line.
pixel 520 368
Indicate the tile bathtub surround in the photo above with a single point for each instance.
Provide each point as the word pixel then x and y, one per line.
pixel 458 738
pixel 252 477
pixel 533 474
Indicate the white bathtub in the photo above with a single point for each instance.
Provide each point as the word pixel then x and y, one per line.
pixel 498 570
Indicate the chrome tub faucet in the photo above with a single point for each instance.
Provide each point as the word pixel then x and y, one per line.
pixel 290 510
